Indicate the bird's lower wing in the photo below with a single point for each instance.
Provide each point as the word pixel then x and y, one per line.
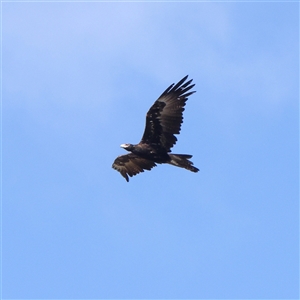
pixel 131 164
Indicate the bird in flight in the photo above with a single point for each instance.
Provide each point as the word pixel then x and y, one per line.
pixel 163 121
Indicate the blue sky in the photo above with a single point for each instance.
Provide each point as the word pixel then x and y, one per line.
pixel 77 81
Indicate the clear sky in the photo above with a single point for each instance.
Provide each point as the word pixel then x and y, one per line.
pixel 77 81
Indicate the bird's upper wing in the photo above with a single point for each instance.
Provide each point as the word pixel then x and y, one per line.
pixel 165 116
pixel 131 164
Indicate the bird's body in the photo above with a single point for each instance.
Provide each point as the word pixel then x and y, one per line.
pixel 163 120
pixel 147 151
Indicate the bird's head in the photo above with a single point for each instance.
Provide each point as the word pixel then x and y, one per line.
pixel 127 147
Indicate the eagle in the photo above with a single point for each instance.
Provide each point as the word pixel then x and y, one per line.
pixel 163 121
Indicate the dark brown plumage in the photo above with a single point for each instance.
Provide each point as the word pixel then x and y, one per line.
pixel 163 121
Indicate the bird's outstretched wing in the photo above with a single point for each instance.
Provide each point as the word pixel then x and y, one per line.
pixel 131 164
pixel 165 116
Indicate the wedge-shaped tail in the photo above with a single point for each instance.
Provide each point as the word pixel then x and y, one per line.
pixel 182 161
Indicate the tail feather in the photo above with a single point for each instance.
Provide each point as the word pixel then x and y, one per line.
pixel 181 160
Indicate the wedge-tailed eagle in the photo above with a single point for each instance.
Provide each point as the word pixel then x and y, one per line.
pixel 163 121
